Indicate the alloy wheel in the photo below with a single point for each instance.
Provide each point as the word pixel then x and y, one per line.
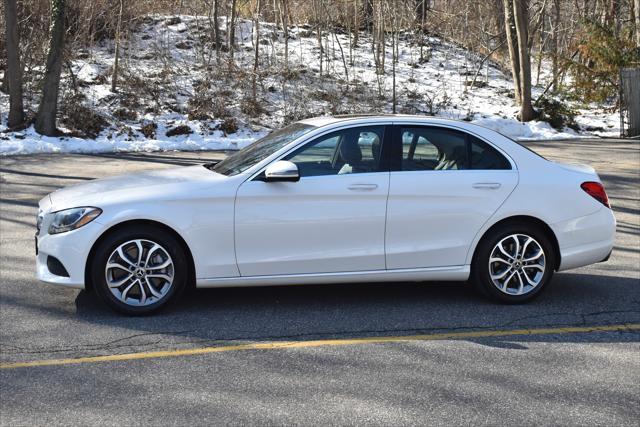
pixel 517 264
pixel 139 272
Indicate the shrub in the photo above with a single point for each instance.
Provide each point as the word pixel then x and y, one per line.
pixel 556 113
pixel 179 130
pixel 228 125
pixel 251 107
pixel 148 129
pixel 124 114
pixel 82 119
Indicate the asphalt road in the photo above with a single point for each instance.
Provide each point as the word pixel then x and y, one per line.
pixel 557 376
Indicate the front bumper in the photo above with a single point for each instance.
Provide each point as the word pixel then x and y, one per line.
pixel 71 249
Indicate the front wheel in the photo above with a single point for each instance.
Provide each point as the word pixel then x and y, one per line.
pixel 137 270
pixel 515 263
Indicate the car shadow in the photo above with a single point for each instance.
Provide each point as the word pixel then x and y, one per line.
pixel 214 316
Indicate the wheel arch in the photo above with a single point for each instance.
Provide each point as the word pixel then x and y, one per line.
pixel 191 264
pixel 530 220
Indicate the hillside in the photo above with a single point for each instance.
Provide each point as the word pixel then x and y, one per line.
pixel 172 83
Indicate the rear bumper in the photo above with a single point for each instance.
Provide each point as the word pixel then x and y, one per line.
pixel 586 240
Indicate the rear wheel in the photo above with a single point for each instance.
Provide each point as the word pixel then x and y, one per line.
pixel 138 270
pixel 515 263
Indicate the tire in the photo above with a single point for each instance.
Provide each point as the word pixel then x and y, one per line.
pixel 141 282
pixel 513 277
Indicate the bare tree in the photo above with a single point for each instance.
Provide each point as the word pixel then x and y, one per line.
pixel 284 18
pixel 512 43
pixel 367 9
pixel 636 9
pixel 356 25
pixel 114 76
pixel 555 44
pixel 256 26
pixel 394 59
pixel 216 28
pixel 318 8
pixel 46 116
pixel 231 28
pixel 522 26
pixel 421 12
pixel 13 77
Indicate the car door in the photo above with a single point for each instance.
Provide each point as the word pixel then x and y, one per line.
pixel 444 185
pixel 332 220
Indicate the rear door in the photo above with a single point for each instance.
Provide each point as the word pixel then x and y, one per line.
pixel 444 185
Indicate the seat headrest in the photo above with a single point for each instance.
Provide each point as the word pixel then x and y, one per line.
pixel 350 151
pixel 376 147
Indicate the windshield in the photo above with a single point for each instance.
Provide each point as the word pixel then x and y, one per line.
pixel 261 149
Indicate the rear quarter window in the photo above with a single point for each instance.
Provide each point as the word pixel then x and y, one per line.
pixel 485 157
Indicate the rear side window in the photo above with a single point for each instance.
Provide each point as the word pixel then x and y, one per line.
pixel 484 156
pixel 432 148
pixel 429 148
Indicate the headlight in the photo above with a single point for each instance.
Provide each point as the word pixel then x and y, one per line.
pixel 70 219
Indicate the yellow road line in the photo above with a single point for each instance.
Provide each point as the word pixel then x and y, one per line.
pixel 319 343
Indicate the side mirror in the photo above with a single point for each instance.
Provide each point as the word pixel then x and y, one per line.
pixel 282 170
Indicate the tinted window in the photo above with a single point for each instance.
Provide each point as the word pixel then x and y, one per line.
pixel 432 148
pixel 483 156
pixel 355 150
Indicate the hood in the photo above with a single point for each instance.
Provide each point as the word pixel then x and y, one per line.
pixel 140 185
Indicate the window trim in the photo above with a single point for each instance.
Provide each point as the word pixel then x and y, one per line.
pixel 396 148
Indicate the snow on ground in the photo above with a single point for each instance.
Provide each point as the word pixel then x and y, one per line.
pixel 168 64
pixel 30 142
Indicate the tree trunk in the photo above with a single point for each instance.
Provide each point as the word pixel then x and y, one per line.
pixel 232 29
pixel 216 28
pixel 636 8
pixel 356 24
pixel 114 76
pixel 520 14
pixel 512 43
pixel 13 74
pixel 46 117
pixel 367 9
pixel 318 8
pixel 285 28
pixel 394 59
pixel 554 40
pixel 256 26
pixel 421 13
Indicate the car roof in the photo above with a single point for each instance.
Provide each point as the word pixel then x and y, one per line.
pixel 328 120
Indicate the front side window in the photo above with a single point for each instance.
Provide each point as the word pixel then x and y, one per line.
pixel 433 148
pixel 347 151
pixel 261 149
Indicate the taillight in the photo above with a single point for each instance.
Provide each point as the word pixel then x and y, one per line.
pixel 596 190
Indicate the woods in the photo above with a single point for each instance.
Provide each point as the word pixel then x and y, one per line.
pixel 569 52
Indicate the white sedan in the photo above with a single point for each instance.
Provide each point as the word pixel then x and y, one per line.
pixel 331 200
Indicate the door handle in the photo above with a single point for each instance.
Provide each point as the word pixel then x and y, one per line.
pixel 487 185
pixel 362 187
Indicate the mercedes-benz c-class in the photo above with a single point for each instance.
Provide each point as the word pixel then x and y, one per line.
pixel 331 200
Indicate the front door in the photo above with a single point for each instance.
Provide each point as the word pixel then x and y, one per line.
pixel 332 220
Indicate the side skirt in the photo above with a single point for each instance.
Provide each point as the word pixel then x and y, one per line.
pixel 455 273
